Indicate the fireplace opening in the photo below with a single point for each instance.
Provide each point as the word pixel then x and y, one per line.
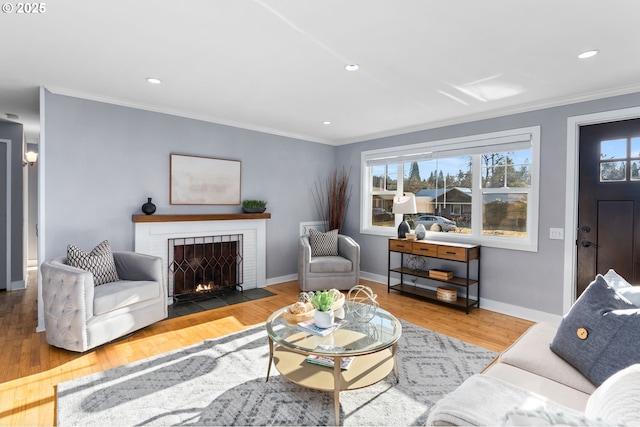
pixel 204 267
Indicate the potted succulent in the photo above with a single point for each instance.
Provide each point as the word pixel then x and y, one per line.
pixel 254 206
pixel 323 302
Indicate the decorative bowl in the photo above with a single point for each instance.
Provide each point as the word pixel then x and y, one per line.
pixel 294 319
pixel 339 302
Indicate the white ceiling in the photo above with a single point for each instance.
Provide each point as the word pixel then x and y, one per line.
pixel 278 65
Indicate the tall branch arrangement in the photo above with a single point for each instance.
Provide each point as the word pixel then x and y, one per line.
pixel 333 200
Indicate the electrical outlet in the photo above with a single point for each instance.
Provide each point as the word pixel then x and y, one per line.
pixel 556 233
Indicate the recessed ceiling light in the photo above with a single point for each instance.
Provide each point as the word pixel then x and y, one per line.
pixel 351 67
pixel 588 54
pixel 326 123
pixel 154 81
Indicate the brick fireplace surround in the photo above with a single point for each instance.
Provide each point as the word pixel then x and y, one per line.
pixel 152 233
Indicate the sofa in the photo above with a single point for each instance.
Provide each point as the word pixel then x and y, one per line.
pixel 79 315
pixel 583 371
pixel 327 260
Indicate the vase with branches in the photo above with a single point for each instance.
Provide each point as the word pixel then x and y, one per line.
pixel 333 200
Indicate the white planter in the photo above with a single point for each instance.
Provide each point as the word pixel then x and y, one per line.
pixel 323 319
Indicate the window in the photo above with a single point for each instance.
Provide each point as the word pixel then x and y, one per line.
pixel 616 157
pixel 485 185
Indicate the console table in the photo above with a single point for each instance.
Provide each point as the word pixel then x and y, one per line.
pixel 458 252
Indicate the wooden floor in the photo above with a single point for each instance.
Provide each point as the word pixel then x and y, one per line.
pixel 30 368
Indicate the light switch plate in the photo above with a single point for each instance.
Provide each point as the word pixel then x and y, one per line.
pixel 556 233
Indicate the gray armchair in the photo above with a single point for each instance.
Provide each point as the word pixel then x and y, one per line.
pixel 79 316
pixel 326 272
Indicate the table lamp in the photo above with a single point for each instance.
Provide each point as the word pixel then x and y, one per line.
pixel 404 205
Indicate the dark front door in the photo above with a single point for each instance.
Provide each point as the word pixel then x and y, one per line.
pixel 609 201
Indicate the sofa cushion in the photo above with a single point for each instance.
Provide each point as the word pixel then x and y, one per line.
pixel 531 353
pixel 114 295
pixel 600 334
pixel 98 262
pixel 323 244
pixel 618 398
pixel 484 401
pixel 330 264
pixel 550 389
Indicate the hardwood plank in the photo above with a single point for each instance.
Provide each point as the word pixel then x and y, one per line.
pixel 32 368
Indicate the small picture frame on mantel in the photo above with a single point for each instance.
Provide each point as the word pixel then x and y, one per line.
pixel 196 180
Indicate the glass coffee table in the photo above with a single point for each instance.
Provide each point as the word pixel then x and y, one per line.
pixel 373 344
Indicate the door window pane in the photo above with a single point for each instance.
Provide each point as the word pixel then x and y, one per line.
pixel 504 214
pixel 635 148
pixel 613 171
pixel 635 170
pixel 613 149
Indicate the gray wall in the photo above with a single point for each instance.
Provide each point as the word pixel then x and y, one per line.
pixel 32 208
pixel 103 161
pixel 14 132
pixel 526 279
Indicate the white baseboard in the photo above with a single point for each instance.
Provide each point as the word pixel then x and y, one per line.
pixel 17 285
pixel 282 279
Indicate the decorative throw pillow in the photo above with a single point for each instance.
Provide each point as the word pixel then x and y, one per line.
pixel 323 244
pixel 632 293
pixel 618 398
pixel 616 281
pixel 99 262
pixel 600 335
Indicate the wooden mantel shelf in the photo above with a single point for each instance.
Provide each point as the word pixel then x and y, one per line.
pixel 198 217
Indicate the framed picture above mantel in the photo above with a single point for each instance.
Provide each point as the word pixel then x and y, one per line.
pixel 196 180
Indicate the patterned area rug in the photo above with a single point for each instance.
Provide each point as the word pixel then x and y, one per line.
pixel 222 382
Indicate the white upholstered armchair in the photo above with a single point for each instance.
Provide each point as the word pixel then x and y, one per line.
pixel 79 316
pixel 340 271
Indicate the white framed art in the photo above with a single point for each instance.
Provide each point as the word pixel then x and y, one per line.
pixel 197 180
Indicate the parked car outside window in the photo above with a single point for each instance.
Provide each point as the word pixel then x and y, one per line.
pixel 444 223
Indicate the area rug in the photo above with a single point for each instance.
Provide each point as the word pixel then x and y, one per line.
pixel 222 382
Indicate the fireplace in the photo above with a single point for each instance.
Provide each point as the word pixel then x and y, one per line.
pixel 206 266
pixel 152 233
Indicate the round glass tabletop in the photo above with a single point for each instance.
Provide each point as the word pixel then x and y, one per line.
pixel 352 338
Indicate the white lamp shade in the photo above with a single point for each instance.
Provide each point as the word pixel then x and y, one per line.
pixel 404 204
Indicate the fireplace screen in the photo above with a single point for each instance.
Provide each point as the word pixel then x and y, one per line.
pixel 203 267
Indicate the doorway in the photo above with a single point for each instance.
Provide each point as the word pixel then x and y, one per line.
pixel 574 123
pixel 608 232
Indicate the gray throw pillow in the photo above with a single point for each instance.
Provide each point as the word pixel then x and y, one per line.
pixel 600 335
pixel 98 262
pixel 323 244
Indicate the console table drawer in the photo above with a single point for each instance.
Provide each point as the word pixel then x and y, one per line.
pixel 452 252
pixel 400 245
pixel 425 249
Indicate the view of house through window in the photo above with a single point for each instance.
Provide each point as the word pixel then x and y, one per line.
pixel 473 190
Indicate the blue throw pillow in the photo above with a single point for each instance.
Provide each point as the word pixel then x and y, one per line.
pixel 600 335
